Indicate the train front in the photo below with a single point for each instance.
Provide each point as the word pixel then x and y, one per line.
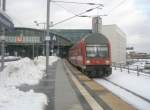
pixel 97 55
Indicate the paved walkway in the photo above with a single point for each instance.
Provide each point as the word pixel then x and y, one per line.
pixel 58 89
pixel 65 95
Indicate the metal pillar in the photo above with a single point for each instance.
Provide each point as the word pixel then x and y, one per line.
pixel 33 51
pixel 47 35
pixel 44 39
pixel 2 49
pixel 4 5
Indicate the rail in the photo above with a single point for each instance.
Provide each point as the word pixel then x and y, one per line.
pixel 129 91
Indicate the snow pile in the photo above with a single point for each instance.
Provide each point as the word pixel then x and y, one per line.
pixel 20 72
pixel 24 71
pixel 137 84
pixel 53 59
pixel 13 99
pixel 41 61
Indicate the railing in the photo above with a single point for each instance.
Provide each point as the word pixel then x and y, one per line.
pixel 130 68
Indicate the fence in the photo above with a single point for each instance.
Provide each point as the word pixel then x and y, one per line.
pixel 130 68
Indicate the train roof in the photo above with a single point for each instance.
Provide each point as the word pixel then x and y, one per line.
pixel 95 38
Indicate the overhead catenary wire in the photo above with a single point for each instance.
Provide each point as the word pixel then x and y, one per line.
pixel 75 13
pixel 78 15
pixel 66 9
pixel 117 6
pixel 79 3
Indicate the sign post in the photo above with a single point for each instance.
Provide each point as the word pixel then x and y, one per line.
pixel 47 35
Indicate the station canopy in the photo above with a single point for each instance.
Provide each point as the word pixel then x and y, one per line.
pixel 37 36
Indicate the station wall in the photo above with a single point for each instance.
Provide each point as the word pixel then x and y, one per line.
pixel 118 42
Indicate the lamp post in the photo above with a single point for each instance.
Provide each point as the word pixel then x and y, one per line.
pixel 44 33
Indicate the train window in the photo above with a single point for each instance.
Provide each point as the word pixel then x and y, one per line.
pixel 91 51
pixel 97 51
pixel 102 51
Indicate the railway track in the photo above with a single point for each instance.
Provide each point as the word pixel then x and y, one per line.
pixel 129 91
pixel 98 93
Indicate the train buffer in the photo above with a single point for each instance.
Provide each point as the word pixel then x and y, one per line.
pixel 68 89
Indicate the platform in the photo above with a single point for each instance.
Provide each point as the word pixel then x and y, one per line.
pixel 65 96
pixel 68 89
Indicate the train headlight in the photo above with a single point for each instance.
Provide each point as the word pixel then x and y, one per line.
pixel 107 61
pixel 87 61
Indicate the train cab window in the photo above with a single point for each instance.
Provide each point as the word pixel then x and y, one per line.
pixel 103 51
pixel 91 51
pixel 97 51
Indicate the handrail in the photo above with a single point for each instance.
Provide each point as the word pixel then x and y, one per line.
pixel 129 68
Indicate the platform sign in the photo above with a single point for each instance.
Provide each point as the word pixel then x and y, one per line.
pixel 19 39
pixel 54 38
pixel 47 38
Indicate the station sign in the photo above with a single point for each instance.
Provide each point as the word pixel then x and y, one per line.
pixel 47 38
pixel 19 39
pixel 54 38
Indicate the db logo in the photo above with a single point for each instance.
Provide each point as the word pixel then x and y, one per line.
pixel 19 39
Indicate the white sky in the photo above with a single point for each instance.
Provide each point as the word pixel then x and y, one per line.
pixel 132 16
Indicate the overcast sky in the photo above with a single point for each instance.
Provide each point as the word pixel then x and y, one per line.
pixel 132 16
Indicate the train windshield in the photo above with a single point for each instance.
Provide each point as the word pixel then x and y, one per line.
pixel 97 51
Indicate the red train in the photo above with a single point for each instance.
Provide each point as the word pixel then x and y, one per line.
pixel 92 54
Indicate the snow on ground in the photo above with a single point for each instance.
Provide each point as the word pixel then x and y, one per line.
pixel 20 72
pixel 41 61
pixel 137 84
pixel 10 57
pixel 139 62
pixel 24 71
pixel 13 99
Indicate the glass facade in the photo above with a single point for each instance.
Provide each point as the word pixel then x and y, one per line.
pixel 72 34
pixel 28 35
pixel 25 32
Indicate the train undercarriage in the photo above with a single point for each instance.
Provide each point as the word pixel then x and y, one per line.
pixel 97 71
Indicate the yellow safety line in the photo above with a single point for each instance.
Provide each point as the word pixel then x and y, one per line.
pixel 91 101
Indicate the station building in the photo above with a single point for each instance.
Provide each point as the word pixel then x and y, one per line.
pixel 118 41
pixel 6 23
pixel 28 42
